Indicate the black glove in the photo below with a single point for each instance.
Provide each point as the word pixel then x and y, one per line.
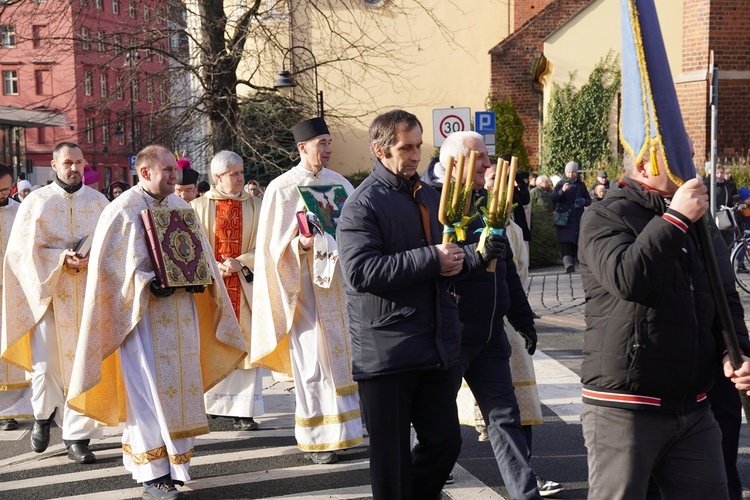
pixel 494 248
pixel 195 289
pixel 529 335
pixel 159 291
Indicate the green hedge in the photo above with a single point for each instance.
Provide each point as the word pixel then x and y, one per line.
pixel 544 250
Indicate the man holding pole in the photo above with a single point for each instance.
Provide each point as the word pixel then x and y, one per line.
pixel 657 300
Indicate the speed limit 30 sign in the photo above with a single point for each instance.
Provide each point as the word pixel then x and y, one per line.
pixel 449 120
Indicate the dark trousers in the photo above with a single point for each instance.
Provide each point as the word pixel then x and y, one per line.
pixel 727 410
pixel 486 370
pixel 423 399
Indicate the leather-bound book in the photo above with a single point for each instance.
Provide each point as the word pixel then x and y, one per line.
pixel 175 247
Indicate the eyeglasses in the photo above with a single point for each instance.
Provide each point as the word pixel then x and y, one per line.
pixel 6 190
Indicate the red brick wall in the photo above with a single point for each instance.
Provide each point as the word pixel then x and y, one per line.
pixel 523 10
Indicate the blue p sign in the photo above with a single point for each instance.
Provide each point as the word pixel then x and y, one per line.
pixel 484 122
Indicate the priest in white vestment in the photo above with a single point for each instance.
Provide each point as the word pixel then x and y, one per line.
pixel 229 216
pixel 300 326
pixel 15 390
pixel 44 282
pixel 146 353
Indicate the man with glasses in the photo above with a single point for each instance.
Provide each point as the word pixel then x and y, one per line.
pixel 44 285
pixel 15 402
pixel 230 218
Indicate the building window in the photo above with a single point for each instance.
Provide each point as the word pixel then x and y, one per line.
pixel 84 3
pixel 117 44
pixel 374 3
pixel 41 135
pixel 120 132
pixel 162 93
pixel 115 6
pixel 10 82
pixel 135 90
pixel 105 132
pixel 85 40
pixel 43 79
pixel 131 9
pixel 100 40
pixel 150 91
pixel 119 94
pixel 103 85
pixel 87 83
pixel 160 54
pixel 90 130
pixel 98 4
pixel 124 174
pixel 146 13
pixel 36 33
pixel 8 34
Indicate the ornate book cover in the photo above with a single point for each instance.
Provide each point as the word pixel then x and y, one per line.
pixel 175 247
pixel 325 202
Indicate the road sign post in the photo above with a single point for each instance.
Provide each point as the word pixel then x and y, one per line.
pixel 484 123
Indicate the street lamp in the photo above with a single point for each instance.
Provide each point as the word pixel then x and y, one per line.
pixel 285 79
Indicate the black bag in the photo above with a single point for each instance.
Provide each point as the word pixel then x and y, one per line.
pixel 561 219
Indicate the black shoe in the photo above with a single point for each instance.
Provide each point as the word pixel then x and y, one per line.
pixel 8 424
pixel 40 434
pixel 81 454
pixel 245 423
pixel 322 457
pixel 160 491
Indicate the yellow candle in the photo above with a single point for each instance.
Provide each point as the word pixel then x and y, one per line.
pixel 470 180
pixel 445 193
pixel 511 185
pixel 459 182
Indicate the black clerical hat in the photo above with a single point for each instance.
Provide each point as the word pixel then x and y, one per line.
pixel 306 130
pixel 187 176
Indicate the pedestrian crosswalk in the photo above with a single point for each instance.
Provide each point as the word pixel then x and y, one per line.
pixel 230 464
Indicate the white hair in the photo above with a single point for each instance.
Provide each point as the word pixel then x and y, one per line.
pixel 221 161
pixel 455 145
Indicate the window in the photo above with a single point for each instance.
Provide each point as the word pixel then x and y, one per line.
pixel 160 54
pixel 131 9
pixel 98 4
pixel 103 85
pixel 162 93
pixel 85 40
pixel 120 132
pixel 100 41
pixel 119 89
pixel 150 91
pixel 105 132
pixel 135 91
pixel 124 174
pixel 41 135
pixel 90 130
pixel 43 79
pixel 115 6
pixel 10 82
pixel 8 34
pixel 87 83
pixel 146 13
pixel 36 34
pixel 83 3
pixel 117 44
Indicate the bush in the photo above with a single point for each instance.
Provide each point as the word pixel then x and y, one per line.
pixel 544 249
pixel 509 132
pixel 357 177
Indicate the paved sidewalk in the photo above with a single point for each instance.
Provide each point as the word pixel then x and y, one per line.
pixel 555 296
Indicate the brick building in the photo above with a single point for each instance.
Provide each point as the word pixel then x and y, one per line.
pixel 520 69
pixel 100 65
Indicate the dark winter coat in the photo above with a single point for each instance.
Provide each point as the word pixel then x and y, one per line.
pixel 572 201
pixel 401 315
pixel 652 339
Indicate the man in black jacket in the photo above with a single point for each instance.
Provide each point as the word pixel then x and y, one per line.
pixel 652 345
pixel 404 326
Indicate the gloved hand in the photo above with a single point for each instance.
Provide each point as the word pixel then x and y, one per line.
pixel 529 335
pixel 494 248
pixel 158 291
pixel 195 289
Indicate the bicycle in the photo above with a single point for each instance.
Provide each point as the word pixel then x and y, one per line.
pixel 739 248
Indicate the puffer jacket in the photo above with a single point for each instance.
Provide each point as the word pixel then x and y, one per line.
pixel 652 338
pixel 401 315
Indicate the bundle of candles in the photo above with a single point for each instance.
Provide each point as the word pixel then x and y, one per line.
pixel 500 203
pixel 455 215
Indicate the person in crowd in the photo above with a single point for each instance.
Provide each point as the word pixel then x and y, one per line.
pixel 230 218
pixel 23 188
pixel 253 188
pixel 726 195
pixel 601 180
pixel 598 193
pixel 116 188
pixel 299 325
pixel 570 197
pixel 187 180
pixel 484 299
pixel 172 343
pixel 15 400
pixel 44 283
pixel 533 176
pixel 90 176
pixel 203 187
pixel 645 409
pixel 542 194
pixel 404 324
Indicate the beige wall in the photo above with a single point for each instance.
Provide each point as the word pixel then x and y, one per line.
pixel 428 67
